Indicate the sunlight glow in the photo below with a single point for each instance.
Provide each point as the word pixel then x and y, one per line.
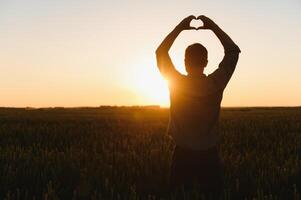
pixel 151 87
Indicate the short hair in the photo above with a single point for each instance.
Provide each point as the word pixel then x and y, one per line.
pixel 196 55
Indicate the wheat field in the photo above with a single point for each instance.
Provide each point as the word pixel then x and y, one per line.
pixel 124 153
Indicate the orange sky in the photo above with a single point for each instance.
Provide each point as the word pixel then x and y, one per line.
pixel 91 53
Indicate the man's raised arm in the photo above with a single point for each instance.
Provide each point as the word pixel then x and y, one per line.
pixel 164 62
pixel 222 75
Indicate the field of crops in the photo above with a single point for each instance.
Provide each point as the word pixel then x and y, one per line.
pixel 124 153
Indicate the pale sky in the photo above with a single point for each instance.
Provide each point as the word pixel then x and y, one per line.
pixel 91 53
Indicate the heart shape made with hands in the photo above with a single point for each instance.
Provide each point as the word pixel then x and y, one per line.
pixel 196 23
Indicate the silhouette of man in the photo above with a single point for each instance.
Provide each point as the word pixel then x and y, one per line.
pixel 194 108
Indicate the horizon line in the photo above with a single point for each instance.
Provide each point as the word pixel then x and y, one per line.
pixel 133 106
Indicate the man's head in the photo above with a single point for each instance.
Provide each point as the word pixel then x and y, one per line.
pixel 196 59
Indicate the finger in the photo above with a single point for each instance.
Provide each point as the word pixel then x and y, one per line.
pixel 201 17
pixel 191 17
pixel 201 27
pixel 192 28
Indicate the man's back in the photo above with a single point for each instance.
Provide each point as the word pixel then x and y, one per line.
pixel 194 115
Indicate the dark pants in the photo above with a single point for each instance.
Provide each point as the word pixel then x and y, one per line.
pixel 201 167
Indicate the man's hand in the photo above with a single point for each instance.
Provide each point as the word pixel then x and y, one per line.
pixel 185 23
pixel 208 23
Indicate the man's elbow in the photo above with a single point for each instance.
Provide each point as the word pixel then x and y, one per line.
pixel 159 52
pixel 233 49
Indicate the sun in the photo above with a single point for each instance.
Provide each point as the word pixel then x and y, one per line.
pixel 151 88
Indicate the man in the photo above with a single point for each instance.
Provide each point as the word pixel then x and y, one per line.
pixel 195 106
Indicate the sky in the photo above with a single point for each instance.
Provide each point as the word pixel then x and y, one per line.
pixel 91 53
